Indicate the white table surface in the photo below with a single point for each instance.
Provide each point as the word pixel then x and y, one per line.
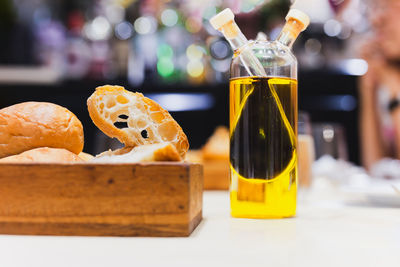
pixel 327 231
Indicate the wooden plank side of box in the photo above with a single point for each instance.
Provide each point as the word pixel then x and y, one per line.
pixel 154 199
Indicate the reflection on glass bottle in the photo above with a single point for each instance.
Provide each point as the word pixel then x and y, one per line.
pixel 263 120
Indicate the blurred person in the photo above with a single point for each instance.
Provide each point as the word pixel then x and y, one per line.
pixel 380 87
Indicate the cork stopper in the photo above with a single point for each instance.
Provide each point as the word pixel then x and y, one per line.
pixel 222 18
pixel 302 19
pixel 296 22
pixel 224 22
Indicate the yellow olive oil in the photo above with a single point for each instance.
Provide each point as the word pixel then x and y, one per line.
pixel 263 139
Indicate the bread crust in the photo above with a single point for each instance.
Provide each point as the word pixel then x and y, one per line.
pixel 31 125
pixel 145 153
pixel 85 156
pixel 157 117
pixel 167 153
pixel 43 155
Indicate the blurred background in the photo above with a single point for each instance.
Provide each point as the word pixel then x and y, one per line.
pixel 60 50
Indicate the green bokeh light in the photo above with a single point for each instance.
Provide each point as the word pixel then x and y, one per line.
pixel 165 67
pixel 165 51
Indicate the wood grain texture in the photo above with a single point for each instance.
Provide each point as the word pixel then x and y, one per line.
pixel 216 174
pixel 152 199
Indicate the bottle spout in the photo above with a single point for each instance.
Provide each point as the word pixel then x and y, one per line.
pixel 299 17
pixel 296 22
pixel 225 23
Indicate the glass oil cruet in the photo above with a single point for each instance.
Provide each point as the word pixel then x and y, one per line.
pixel 263 119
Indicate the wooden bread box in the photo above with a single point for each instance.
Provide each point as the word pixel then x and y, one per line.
pixel 88 199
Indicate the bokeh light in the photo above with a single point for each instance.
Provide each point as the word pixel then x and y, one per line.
pixel 169 17
pixel 354 66
pixel 209 12
pixel 145 25
pixel 195 68
pixel 313 46
pixel 194 52
pixel 98 29
pixel 115 13
pixel 220 49
pixel 249 5
pixel 346 32
pixel 165 66
pixel 221 65
pixel 192 25
pixel 164 51
pixel 332 27
pixel 124 30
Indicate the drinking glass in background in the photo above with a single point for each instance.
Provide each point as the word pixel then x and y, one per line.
pixel 306 152
pixel 330 139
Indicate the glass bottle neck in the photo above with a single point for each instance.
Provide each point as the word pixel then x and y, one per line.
pixel 238 42
pixel 290 32
pixel 234 36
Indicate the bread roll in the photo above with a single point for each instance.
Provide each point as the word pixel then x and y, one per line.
pixel 38 124
pixel 134 119
pixel 144 153
pixel 43 155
